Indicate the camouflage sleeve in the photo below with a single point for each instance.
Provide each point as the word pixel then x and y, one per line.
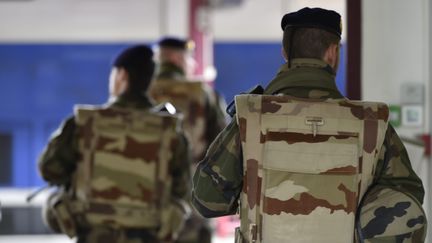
pixel 392 210
pixel 58 160
pixel 218 178
pixel 216 117
pixel 394 167
pixel 180 168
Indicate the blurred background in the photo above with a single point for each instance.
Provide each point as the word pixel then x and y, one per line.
pixel 57 53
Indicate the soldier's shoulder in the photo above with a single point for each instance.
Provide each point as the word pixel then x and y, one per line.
pixel 84 112
pixel 68 123
pixel 85 109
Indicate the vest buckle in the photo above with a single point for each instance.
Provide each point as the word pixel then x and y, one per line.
pixel 253 231
pixel 314 122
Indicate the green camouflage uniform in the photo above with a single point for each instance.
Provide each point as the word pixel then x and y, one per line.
pixel 391 209
pixel 60 164
pixel 167 70
pixel 204 112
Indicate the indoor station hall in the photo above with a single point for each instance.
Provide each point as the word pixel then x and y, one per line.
pixel 69 64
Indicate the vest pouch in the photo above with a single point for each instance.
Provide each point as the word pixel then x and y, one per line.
pixel 122 192
pixel 310 186
pixel 65 217
pixel 173 217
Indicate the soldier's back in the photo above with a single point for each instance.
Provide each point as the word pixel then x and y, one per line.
pixel 122 184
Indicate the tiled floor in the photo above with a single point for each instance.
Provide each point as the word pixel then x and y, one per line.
pixel 11 197
pixel 64 239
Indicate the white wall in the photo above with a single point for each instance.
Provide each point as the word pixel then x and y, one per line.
pixel 260 19
pixel 393 47
pixel 94 20
pixel 397 49
pixel 141 20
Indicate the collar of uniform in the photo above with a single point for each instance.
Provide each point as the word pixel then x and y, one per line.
pixel 307 62
pixel 168 70
pixel 131 101
pixel 313 74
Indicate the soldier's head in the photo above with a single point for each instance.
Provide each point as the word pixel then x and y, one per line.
pixel 312 33
pixel 175 51
pixel 132 71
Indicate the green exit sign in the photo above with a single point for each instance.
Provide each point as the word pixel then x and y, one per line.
pixel 395 115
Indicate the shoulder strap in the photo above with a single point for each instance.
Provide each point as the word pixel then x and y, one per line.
pixel 247 119
pixel 231 108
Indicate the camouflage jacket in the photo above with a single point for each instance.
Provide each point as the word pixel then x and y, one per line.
pixel 202 107
pixel 218 180
pixel 58 161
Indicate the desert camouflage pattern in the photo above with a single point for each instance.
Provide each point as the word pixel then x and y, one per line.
pixel 306 164
pixel 391 204
pixel 194 99
pixel 104 235
pixel 191 99
pixel 204 116
pixel 122 179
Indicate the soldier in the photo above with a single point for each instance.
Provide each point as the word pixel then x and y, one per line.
pixel 123 167
pixel 202 106
pixel 203 109
pixel 302 163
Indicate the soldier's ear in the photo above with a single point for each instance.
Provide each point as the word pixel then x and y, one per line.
pixel 331 56
pixel 122 74
pixel 119 81
pixel 123 81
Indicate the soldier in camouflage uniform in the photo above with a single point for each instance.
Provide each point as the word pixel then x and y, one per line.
pixel 123 167
pixel 202 107
pixel 301 163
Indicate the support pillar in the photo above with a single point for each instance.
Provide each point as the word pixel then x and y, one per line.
pixel 354 56
pixel 200 32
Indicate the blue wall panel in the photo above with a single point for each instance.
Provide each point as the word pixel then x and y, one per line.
pixel 243 65
pixel 40 83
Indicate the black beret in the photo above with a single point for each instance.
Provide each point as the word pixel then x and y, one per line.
pixel 139 56
pixel 314 18
pixel 172 42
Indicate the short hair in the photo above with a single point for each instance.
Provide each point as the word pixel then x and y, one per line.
pixel 140 66
pixel 174 43
pixel 307 42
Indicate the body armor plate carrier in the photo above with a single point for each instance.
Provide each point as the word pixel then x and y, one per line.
pixel 123 178
pixel 307 163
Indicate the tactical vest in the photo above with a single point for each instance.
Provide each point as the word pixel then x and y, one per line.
pixel 307 163
pixel 191 99
pixel 123 177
